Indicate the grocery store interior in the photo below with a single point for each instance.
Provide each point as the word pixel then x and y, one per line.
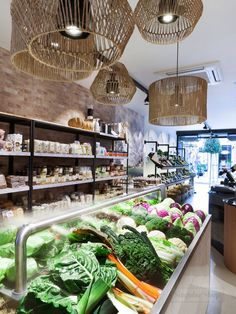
pixel 117 157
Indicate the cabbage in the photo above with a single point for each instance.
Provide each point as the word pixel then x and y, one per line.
pixel 190 215
pixel 178 222
pixel 32 270
pixel 175 210
pixel 175 205
pixel 162 213
pixel 8 234
pixel 201 215
pixel 167 201
pixel 195 223
pixel 190 227
pixel 186 208
pixel 175 216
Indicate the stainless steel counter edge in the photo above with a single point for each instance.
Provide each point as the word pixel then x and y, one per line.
pixel 158 307
pixel 29 229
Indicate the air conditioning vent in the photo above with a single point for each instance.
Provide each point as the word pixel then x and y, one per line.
pixel 211 72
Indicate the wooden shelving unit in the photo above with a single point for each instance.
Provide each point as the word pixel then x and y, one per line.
pixel 32 156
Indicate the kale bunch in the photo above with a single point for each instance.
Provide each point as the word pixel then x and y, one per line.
pixel 137 253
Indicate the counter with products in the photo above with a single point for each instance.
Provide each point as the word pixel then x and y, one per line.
pixel 104 249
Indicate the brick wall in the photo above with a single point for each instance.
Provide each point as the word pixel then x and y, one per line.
pixel 23 95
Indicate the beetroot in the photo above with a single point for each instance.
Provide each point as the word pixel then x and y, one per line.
pixel 175 205
pixel 186 208
pixel 201 215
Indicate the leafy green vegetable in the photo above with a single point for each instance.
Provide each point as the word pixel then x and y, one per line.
pixel 7 234
pixel 123 208
pixel 139 219
pixel 5 264
pixel 181 233
pixel 44 296
pixel 7 250
pixel 99 249
pixel 32 270
pixel 75 285
pixel 136 252
pixel 39 241
pixel 156 223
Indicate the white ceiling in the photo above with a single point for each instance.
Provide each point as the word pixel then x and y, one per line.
pixel 214 39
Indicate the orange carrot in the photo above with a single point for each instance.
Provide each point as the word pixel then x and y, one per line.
pixel 148 286
pixel 148 289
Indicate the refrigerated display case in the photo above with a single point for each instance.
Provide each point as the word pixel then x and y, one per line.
pixel 187 288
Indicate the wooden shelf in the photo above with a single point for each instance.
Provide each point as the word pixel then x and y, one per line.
pixel 110 178
pixel 177 182
pixel 19 154
pixel 51 155
pixel 111 157
pixel 14 190
pixel 62 184
pixel 173 167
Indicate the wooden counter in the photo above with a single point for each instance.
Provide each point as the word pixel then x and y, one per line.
pixel 230 237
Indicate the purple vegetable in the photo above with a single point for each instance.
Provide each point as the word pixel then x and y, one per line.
pixel 175 216
pixel 162 213
pixel 200 214
pixel 175 205
pixel 195 223
pixel 186 208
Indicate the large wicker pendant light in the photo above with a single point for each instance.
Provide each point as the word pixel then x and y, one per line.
pixel 74 35
pixel 167 21
pixel 23 61
pixel 113 86
pixel 178 101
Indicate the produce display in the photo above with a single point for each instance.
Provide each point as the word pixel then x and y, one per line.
pixel 116 260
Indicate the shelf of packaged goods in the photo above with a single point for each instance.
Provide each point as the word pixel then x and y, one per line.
pixel 112 157
pixel 111 178
pixel 15 154
pixel 105 135
pixel 14 190
pixel 51 155
pixel 62 184
pixel 177 182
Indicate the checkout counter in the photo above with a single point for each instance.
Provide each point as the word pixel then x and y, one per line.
pixel 230 234
pixel 217 197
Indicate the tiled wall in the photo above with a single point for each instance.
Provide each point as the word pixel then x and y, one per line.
pixel 57 102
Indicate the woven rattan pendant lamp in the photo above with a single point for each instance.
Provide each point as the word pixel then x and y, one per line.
pixel 23 61
pixel 178 101
pixel 167 21
pixel 113 86
pixel 74 35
